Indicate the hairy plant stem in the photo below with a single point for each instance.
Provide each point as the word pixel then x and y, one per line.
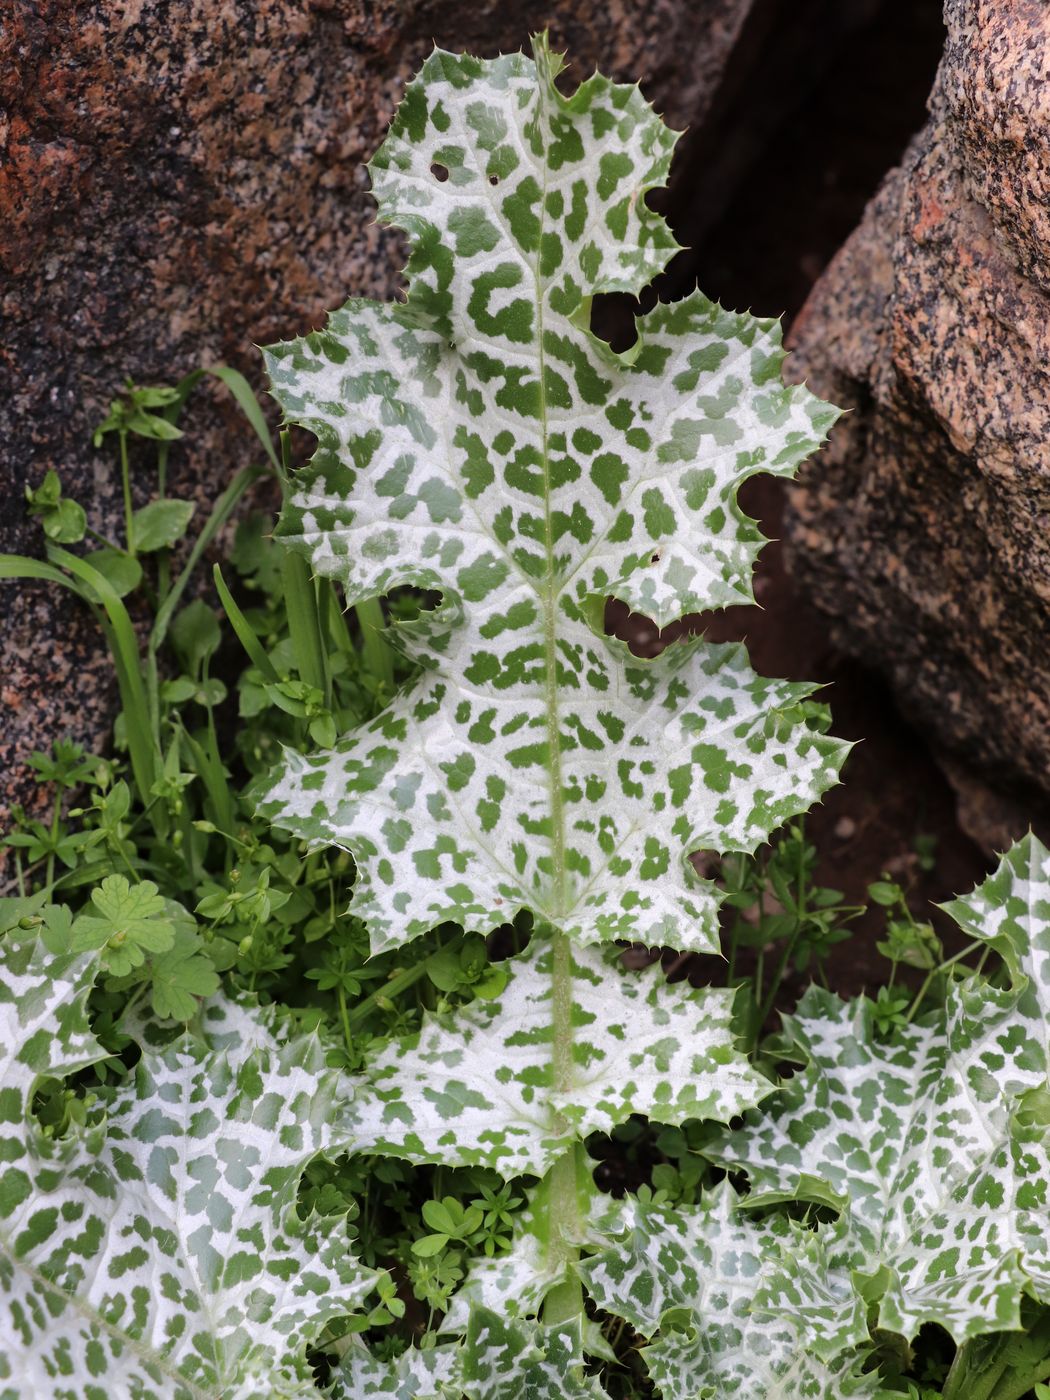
pixel 566 1300
pixel 125 481
pixel 343 1016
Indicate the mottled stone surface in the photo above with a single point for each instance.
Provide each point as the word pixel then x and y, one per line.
pixel 925 530
pixel 182 179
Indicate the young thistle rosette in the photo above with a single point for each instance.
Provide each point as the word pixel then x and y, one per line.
pixel 478 440
pixel 930 1144
pixel 159 1253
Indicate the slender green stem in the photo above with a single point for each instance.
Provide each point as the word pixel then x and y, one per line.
pixel 236 841
pixel 120 851
pixel 344 1017
pixel 133 1001
pixel 125 479
pixel 790 943
pixel 778 977
pixel 948 962
pixel 396 985
pixel 760 977
pixel 189 846
pixel 163 575
pixel 142 815
pixel 56 813
pixel 731 968
pixel 162 452
pixel 105 541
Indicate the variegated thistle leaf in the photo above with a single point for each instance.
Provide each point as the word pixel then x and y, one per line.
pixel 498 1359
pixel 480 441
pixel 696 1273
pixel 162 1257
pixel 769 1358
pixel 416 1374
pixel 481 1088
pixel 501 1359
pixel 1011 911
pixel 943 1192
pixel 44 1033
pixel 515 1284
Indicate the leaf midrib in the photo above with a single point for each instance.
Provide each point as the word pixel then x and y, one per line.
pixel 563 1210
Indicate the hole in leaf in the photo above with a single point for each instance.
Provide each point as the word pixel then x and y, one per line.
pixel 509 939
pixel 405 602
pixel 612 319
pixel 439 172
pixel 640 633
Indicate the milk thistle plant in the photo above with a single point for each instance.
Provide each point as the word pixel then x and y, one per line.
pixel 515 797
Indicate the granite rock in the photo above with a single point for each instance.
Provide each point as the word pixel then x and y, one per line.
pixel 182 179
pixel 925 530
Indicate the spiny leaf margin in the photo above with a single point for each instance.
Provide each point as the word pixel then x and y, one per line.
pixel 160 1253
pixel 478 440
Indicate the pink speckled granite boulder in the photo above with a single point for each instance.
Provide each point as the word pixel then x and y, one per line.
pixel 925 531
pixel 181 179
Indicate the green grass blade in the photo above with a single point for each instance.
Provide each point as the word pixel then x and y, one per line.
pixel 20 566
pixel 304 623
pixel 213 775
pixel 247 638
pixel 221 512
pixel 241 390
pixel 249 406
pixel 375 650
pixel 125 649
pixel 336 632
